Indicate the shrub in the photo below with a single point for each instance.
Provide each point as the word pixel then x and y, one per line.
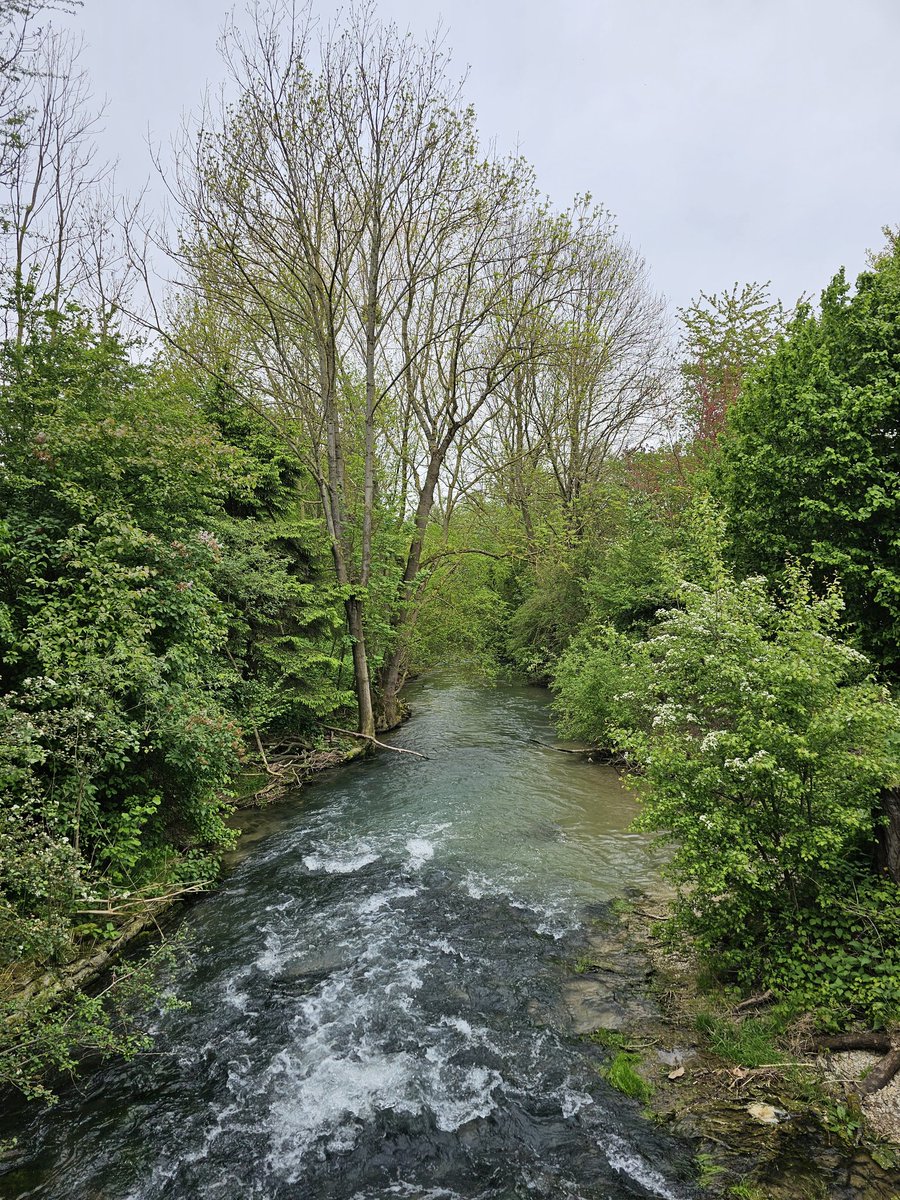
pixel 763 743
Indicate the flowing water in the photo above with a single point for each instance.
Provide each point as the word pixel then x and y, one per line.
pixel 377 994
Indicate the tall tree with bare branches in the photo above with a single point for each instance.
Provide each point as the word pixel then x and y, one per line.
pixel 375 269
pixel 52 180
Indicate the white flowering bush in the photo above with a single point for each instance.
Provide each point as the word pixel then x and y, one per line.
pixel 763 742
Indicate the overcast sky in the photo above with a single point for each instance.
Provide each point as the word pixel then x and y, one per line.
pixel 733 139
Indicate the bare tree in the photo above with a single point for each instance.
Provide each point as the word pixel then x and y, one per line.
pixel 372 267
pixel 19 39
pixel 473 317
pixel 52 180
pixel 597 384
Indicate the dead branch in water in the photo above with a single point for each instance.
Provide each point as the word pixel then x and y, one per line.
pixel 563 749
pixel 366 737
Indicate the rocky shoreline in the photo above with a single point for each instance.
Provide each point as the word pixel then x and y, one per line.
pixel 792 1129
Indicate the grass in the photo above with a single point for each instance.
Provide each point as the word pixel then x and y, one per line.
pixel 621 1075
pixel 610 1038
pixel 748 1043
pixel 582 965
pixel 707 1169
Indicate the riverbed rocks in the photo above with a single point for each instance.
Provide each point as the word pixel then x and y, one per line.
pixel 610 987
pixel 796 1132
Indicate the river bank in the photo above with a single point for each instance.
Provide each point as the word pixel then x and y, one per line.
pixel 135 927
pixel 790 1128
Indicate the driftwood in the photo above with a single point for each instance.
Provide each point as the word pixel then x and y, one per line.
pixel 882 1073
pixel 83 970
pixel 289 764
pixel 650 916
pixel 546 745
pixel 870 1039
pixel 367 737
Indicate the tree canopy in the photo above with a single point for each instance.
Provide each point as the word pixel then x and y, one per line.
pixel 810 461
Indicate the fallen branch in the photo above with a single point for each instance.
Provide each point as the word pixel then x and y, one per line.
pixel 562 749
pixel 124 906
pixel 882 1073
pixel 367 737
pixel 745 1072
pixel 290 744
pixel 649 916
pixel 755 1001
pixel 870 1039
pixel 85 969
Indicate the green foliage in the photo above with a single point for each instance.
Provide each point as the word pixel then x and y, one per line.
pixel 464 605
pixel 723 338
pixel 584 964
pixel 810 463
pixel 610 1038
pixel 751 1042
pixel 112 627
pixel 285 641
pixel 541 624
pixel 51 1034
pixel 632 576
pixel 159 589
pixel 843 957
pixel 764 746
pixel 621 1074
pixel 763 743
pixel 591 704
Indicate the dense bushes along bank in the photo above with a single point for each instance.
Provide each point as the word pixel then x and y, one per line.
pixel 765 738
pixel 160 601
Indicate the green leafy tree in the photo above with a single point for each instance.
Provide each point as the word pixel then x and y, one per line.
pixel 763 744
pixel 286 642
pixel 810 463
pixel 111 629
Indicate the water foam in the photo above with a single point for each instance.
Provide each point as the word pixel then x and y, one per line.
pixel 331 1096
pixel 622 1158
pixel 420 851
pixel 340 864
pixel 375 903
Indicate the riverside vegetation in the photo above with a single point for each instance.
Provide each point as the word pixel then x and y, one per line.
pixel 402 412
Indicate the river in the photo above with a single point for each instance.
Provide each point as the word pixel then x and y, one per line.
pixel 377 994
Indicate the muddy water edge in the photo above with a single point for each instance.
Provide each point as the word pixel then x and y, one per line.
pixel 389 998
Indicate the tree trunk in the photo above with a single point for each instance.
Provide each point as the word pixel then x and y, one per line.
pixel 391 709
pixel 887 849
pixel 392 676
pixel 353 608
